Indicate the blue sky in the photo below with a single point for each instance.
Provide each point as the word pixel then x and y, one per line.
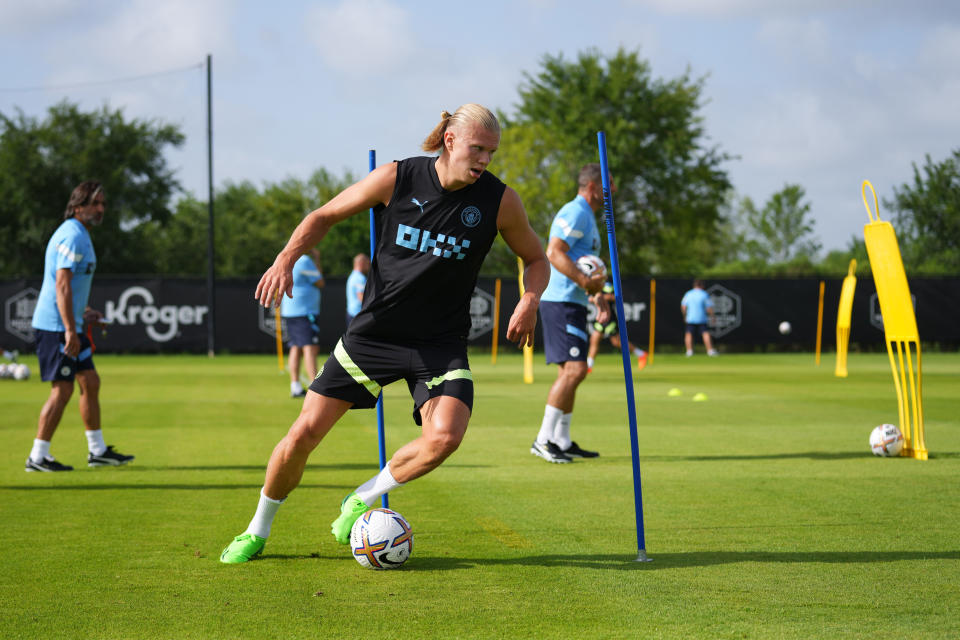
pixel 815 92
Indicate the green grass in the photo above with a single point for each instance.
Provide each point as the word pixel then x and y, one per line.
pixel 766 516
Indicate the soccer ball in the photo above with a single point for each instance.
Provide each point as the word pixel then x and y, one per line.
pixel 381 539
pixel 590 265
pixel 886 441
pixel 21 371
pixel 785 327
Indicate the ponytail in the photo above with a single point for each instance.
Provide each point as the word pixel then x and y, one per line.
pixel 469 112
pixel 434 141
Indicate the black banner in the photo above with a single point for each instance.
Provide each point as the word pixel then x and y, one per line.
pixel 171 314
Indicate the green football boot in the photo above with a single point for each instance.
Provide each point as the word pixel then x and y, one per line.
pixel 244 547
pixel 351 508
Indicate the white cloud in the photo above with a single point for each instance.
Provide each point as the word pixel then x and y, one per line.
pixel 143 36
pixel 805 39
pixel 744 8
pixel 362 36
pixel 17 16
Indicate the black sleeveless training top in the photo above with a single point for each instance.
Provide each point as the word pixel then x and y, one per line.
pixel 430 245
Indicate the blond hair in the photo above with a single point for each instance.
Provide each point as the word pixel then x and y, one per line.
pixel 468 113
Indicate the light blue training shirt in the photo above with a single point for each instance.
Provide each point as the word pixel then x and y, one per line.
pixel 575 225
pixel 697 301
pixel 356 283
pixel 306 297
pixel 70 247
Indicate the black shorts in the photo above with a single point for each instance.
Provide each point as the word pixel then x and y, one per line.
pixel 609 328
pixel 55 365
pixel 359 367
pixel 302 331
pixel 564 331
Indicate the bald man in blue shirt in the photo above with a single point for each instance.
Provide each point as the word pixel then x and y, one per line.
pixel 697 309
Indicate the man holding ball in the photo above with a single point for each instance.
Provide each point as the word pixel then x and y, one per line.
pixel 563 311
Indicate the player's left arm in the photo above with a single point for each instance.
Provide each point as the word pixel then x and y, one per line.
pixel 515 228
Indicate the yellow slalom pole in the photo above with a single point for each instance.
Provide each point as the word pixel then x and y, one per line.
pixel 820 322
pixel 899 325
pixel 527 349
pixel 279 329
pixel 496 321
pixel 844 314
pixel 653 319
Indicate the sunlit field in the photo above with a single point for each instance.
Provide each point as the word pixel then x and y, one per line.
pixel 766 514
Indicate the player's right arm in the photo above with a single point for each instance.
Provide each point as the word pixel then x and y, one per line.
pixel 65 307
pixel 375 189
pixel 558 254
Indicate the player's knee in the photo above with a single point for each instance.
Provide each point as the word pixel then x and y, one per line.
pixel 306 433
pixel 61 392
pixel 575 372
pixel 89 382
pixel 443 442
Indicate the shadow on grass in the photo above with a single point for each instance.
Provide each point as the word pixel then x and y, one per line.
pixel 173 486
pixel 619 562
pixel 343 466
pixel 809 455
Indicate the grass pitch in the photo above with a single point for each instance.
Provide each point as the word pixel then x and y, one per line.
pixel 766 515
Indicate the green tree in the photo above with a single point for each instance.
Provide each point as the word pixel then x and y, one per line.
pixel 782 231
pixel 669 182
pixel 42 161
pixel 928 217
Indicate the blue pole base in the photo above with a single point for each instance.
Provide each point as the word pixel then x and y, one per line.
pixel 642 556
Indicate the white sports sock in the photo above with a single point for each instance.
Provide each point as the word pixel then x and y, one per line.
pixel 95 442
pixel 561 435
pixel 41 450
pixel 551 415
pixel 296 387
pixel 263 518
pixel 382 483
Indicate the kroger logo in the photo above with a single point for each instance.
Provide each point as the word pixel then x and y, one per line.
pixel 162 323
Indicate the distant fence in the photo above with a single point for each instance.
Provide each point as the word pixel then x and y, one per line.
pixel 171 314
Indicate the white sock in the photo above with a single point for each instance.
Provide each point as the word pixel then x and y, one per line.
pixel 382 483
pixel 41 450
pixel 561 435
pixel 263 518
pixel 95 442
pixel 590 362
pixel 296 387
pixel 551 415
pixel 637 351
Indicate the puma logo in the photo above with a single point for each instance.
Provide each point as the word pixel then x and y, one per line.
pixel 419 204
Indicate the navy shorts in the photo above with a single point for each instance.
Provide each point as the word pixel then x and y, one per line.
pixel 302 331
pixel 359 367
pixel 55 365
pixel 564 331
pixel 697 329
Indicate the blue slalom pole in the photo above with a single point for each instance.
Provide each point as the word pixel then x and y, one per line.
pixel 381 439
pixel 624 342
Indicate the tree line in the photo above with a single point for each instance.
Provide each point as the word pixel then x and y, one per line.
pixel 677 211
